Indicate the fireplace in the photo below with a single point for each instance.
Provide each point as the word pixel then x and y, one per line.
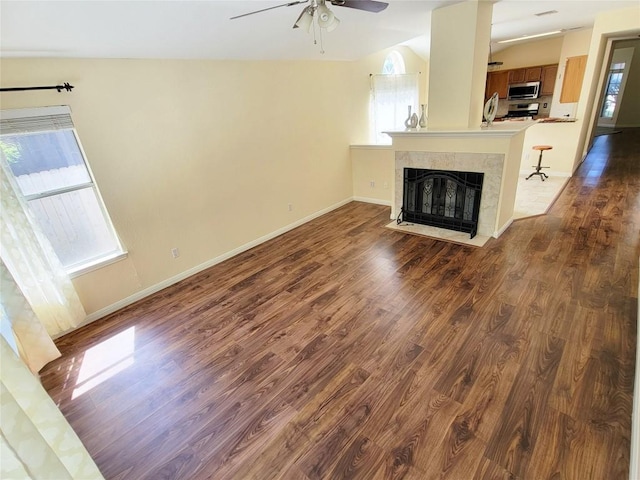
pixel 444 199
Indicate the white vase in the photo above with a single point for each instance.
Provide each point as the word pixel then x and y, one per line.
pixel 490 109
pixel 414 121
pixel 407 122
pixel 423 116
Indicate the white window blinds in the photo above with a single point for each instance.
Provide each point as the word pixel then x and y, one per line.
pixel 32 120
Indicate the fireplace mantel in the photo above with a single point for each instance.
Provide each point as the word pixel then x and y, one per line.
pixel 495 151
pixel 498 129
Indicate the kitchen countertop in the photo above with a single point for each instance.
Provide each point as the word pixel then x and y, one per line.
pixel 557 120
pixel 538 119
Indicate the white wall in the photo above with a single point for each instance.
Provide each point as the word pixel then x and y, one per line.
pixel 607 26
pixel 458 65
pixel 574 44
pixel 374 163
pixel 619 55
pixel 166 137
pixel 634 461
pixel 540 52
pixel 361 87
pixel 205 156
pixel 562 137
pixel 629 111
pixel 373 173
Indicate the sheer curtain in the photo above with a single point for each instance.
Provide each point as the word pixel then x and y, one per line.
pixel 36 440
pixel 390 97
pixel 31 338
pixel 30 268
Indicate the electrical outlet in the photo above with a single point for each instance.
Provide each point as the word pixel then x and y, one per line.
pixel 175 253
pixel 291 207
pixel 385 185
pixel 372 184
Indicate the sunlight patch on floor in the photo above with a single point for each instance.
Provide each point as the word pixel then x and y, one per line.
pixel 104 360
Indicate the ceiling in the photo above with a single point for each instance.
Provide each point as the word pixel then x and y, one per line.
pixel 190 29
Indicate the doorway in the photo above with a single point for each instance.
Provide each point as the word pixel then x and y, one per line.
pixel 616 81
pixel 614 109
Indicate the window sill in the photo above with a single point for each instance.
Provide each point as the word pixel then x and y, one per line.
pixel 97 264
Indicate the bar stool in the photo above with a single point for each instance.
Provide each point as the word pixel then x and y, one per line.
pixel 539 167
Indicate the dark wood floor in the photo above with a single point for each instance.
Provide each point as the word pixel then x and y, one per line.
pixel 346 350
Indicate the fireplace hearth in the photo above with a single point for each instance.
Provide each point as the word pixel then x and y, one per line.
pixel 439 198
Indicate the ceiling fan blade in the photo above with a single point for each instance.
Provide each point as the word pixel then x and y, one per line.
pixel 290 4
pixel 366 5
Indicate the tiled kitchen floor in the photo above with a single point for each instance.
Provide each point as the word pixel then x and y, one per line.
pixel 534 197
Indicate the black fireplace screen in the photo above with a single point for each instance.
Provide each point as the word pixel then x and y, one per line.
pixel 444 199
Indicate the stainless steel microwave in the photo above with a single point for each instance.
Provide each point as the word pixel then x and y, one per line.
pixel 519 91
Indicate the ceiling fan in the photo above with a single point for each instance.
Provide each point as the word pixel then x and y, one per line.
pixel 318 10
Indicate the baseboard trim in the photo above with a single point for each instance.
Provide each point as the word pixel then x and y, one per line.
pixel 375 201
pixel 634 461
pixel 499 232
pixel 125 302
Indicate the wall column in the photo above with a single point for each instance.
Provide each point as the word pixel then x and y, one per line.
pixel 460 36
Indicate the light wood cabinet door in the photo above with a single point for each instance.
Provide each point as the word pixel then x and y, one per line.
pixel 518 75
pixel 533 74
pixel 549 74
pixel 497 82
pixel 573 75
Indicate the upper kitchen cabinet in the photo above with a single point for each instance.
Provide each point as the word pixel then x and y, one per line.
pixel 548 80
pixel 517 76
pixel 522 75
pixel 497 82
pixel 533 74
pixel 573 75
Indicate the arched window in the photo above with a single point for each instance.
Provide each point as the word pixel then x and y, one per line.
pixel 393 64
pixel 391 94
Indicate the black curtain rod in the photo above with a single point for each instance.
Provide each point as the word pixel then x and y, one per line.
pixel 64 86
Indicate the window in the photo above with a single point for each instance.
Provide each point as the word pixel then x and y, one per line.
pixel 393 64
pixel 391 94
pixel 614 82
pixel 42 151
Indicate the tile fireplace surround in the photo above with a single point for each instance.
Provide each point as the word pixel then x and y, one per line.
pixel 491 164
pixel 494 150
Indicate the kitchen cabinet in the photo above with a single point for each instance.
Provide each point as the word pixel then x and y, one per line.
pixel 533 74
pixel 573 75
pixel 518 75
pixel 548 80
pixel 497 82
pixel 522 75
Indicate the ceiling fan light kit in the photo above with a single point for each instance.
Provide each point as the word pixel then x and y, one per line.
pixel 305 19
pixel 319 11
pixel 326 18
